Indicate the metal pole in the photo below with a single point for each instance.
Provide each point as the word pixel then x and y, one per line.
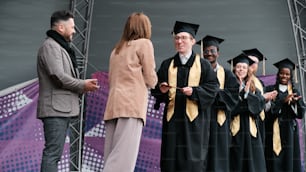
pixel 82 10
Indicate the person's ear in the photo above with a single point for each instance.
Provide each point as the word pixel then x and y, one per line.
pixel 61 27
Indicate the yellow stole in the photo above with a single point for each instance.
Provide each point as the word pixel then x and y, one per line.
pixel 221 117
pixel 193 80
pixel 277 145
pixel 253 128
pixel 260 87
pixel 235 126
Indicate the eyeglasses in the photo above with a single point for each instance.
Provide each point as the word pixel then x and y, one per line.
pixel 212 51
pixel 183 38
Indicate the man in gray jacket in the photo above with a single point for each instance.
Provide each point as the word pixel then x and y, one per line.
pixel 59 87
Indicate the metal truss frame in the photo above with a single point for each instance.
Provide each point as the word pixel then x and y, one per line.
pixel 297 10
pixel 83 11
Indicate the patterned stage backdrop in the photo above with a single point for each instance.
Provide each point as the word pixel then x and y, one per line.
pixel 21 134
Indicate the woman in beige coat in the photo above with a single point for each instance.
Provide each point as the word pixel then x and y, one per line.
pixel 131 74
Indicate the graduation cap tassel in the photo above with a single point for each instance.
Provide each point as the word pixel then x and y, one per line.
pixel 202 54
pixel 295 75
pixel 208 41
pixel 264 67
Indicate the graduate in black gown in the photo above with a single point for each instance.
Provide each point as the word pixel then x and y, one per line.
pixel 227 98
pixel 282 141
pixel 188 87
pixel 246 151
pixel 257 56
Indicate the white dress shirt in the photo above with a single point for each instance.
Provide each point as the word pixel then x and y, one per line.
pixel 185 58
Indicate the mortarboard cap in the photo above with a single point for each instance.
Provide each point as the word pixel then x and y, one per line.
pixel 185 27
pixel 209 40
pixel 254 52
pixel 241 58
pixel 285 63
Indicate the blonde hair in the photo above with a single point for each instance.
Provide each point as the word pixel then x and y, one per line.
pixel 138 25
pixel 249 76
pixel 252 84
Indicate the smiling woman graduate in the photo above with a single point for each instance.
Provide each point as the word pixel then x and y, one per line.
pixel 246 151
pixel 282 140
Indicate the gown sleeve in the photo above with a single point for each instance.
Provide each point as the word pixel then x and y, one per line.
pixel 256 102
pixel 253 103
pixel 279 103
pixel 228 97
pixel 300 106
pixel 162 75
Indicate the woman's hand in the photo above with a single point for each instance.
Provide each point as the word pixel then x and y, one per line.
pixel 269 96
pixel 164 87
pixel 292 98
pixel 247 86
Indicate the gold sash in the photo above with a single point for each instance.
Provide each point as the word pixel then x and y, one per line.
pixel 235 126
pixel 221 117
pixel 253 128
pixel 193 80
pixel 277 144
pixel 260 87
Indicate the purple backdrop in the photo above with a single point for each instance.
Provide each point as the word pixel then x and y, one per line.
pixel 21 134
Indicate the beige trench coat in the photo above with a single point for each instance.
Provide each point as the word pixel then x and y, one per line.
pixel 131 75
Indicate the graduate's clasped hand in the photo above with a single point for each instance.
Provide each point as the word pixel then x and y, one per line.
pixel 292 98
pixel 164 87
pixel 269 96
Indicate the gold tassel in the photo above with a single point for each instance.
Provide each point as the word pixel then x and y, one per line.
pixel 202 53
pixel 264 66
pixel 295 75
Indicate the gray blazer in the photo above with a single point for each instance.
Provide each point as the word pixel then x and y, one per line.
pixel 59 86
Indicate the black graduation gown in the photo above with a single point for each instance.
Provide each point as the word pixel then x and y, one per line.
pixel 184 144
pixel 220 136
pixel 246 151
pixel 289 159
